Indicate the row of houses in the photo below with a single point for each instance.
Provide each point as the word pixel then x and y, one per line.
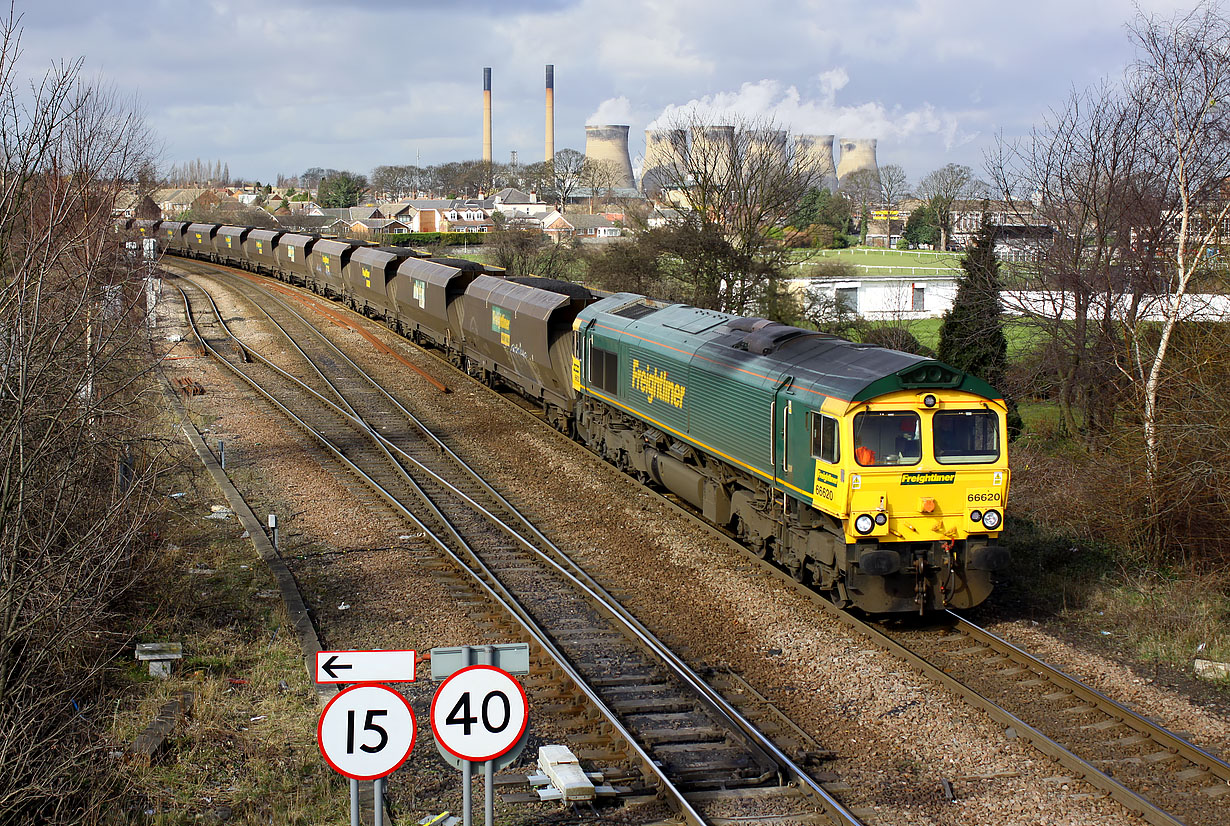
pixel 507 208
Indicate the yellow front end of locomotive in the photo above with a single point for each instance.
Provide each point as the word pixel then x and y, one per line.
pixel 920 467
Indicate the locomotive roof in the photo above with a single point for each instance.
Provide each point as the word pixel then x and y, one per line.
pixel 826 363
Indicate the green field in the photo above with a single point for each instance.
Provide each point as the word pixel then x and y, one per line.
pixel 1019 334
pixel 871 261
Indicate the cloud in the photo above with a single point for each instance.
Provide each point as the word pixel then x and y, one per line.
pixel 611 111
pixel 785 106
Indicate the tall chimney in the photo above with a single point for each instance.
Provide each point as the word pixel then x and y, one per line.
pixel 487 115
pixel 550 152
pixel 610 143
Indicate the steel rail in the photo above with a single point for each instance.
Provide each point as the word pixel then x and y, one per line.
pixel 1078 766
pixel 583 581
pixel 497 592
pixel 1134 720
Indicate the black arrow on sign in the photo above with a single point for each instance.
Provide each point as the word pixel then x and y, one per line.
pixel 329 666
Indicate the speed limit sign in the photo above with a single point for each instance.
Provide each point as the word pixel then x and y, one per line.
pixel 479 713
pixel 366 731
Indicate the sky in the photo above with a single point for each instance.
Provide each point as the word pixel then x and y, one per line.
pixel 276 87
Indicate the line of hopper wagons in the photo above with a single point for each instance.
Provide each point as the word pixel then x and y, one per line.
pixel 870 474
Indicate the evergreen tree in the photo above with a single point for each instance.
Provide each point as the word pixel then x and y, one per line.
pixel 922 227
pixel 972 335
pixel 343 189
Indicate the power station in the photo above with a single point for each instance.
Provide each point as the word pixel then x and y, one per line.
pixel 712 148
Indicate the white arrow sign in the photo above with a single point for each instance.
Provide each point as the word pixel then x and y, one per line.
pixel 365 666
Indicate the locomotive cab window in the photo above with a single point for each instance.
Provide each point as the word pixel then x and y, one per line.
pixel 603 370
pixel 887 438
pixel 966 437
pixel 824 438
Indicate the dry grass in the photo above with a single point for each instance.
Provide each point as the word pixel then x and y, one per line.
pixel 248 751
pixel 1165 619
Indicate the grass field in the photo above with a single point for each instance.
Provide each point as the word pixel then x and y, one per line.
pixel 871 261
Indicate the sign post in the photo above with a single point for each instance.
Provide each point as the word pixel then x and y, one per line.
pixel 479 713
pixel 366 732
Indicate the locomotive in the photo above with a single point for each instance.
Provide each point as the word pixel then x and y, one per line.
pixel 877 476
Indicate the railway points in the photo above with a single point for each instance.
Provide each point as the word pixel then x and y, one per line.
pixel 1162 821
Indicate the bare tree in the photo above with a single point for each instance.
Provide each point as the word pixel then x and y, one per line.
pixel 1132 176
pixel 1084 167
pixel 598 175
pixel 894 185
pixel 566 174
pixel 737 186
pixel 944 187
pixel 76 462
pixel 1180 82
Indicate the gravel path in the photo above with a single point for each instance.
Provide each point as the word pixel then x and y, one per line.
pixel 897 736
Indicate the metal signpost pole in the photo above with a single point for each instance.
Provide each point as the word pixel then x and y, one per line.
pixel 386 738
pixel 468 694
pixel 489 793
pixel 466 777
pixel 486 656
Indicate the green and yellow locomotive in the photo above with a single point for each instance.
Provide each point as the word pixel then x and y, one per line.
pixel 878 475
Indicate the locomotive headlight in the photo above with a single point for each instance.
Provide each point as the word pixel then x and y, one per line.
pixel 881 519
pixel 929 400
pixel 990 520
pixel 864 524
pixel 976 516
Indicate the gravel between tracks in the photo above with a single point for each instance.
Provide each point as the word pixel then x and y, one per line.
pixel 896 734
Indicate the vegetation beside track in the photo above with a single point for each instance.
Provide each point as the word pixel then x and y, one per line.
pixel 247 751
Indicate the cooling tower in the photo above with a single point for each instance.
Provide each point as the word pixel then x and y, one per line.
pixel 610 143
pixel 487 115
pixel 550 149
pixel 817 152
pixel 665 150
pixel 713 150
pixel 857 154
pixel 767 148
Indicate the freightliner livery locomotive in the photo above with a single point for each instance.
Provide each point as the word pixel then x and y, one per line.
pixel 874 475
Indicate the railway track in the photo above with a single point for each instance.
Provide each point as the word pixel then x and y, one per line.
pixel 1146 768
pixel 690 744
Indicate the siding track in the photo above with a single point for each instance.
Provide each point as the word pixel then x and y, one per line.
pixel 691 745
